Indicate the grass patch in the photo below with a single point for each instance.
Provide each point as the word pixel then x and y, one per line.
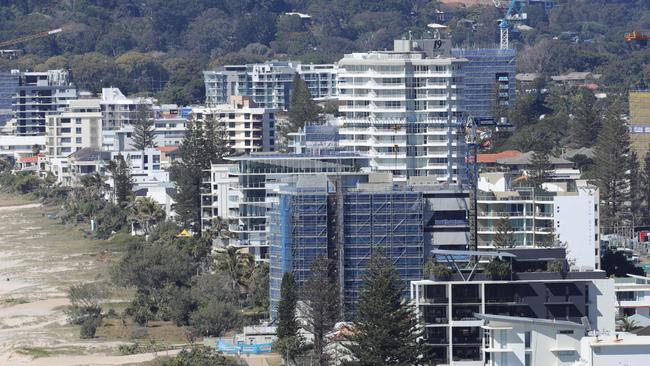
pixel 40 352
pixel 158 331
pixel 14 301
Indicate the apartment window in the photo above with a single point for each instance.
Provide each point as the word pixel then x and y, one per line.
pixel 77 130
pixel 65 130
pixel 528 359
pixel 78 121
pixel 156 159
pixel 527 336
pixel 78 140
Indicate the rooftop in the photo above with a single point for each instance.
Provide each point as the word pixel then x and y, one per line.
pixel 492 158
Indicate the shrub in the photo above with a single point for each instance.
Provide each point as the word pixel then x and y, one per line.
pixel 89 327
pixel 498 269
pixel 556 266
pixel 438 270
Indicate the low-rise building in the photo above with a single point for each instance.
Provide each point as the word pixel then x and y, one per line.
pixel 632 295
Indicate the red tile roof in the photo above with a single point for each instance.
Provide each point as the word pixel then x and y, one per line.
pixel 28 159
pixel 167 149
pixel 492 158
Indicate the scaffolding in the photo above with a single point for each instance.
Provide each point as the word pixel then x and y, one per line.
pixel 390 222
pixel 298 234
pixel 489 77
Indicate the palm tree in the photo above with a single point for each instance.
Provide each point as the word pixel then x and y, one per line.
pixel 237 267
pixel 626 324
pixel 145 211
pixel 220 230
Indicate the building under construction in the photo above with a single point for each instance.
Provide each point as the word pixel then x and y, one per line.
pixel 640 122
pixel 489 79
pixel 347 223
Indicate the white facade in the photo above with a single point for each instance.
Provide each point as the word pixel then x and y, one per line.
pixel 168 130
pixel 527 341
pixel 80 126
pixel 222 197
pixel 18 146
pixel 404 111
pixel 622 349
pixel 250 128
pixel 632 295
pixel 573 216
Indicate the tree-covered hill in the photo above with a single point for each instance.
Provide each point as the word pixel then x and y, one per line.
pixel 161 46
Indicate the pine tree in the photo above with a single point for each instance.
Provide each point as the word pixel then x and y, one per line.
pixel 585 124
pixel 504 237
pixel 143 129
pixel 540 170
pixel 303 109
pixel 320 306
pixel 187 174
pixel 289 343
pixel 386 331
pixel 645 186
pixel 217 142
pixel 611 159
pixel 636 191
pixel 122 180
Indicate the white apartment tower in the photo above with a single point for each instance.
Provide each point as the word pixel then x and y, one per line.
pixel 403 109
pixel 80 126
pixel 250 128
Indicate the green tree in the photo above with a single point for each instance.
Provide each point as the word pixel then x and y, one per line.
pixel 85 308
pixel 143 128
pixel 320 306
pixel 540 170
pixel 215 318
pixel 386 327
pixel 122 180
pixel 187 173
pixel 237 268
pixel 585 123
pixel 636 190
pixel 289 343
pixel 612 163
pixel 146 212
pixel 199 356
pixel 217 142
pixel 504 237
pixel 645 186
pixel 303 109
pixel 626 324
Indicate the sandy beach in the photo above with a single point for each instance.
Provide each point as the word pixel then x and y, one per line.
pixel 39 260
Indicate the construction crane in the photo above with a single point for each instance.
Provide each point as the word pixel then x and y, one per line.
pixel 22 39
pixel 514 14
pixel 639 37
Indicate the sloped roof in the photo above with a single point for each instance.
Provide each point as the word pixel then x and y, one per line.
pixel 28 159
pixel 90 154
pixel 492 158
pixel 167 149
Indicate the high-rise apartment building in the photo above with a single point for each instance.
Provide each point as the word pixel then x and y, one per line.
pixel 38 95
pixel 345 222
pixel 250 128
pixel 403 109
pixel 489 81
pixel 9 82
pixel 268 84
pixel 640 123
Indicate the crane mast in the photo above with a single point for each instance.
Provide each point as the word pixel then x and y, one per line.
pixel 30 37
